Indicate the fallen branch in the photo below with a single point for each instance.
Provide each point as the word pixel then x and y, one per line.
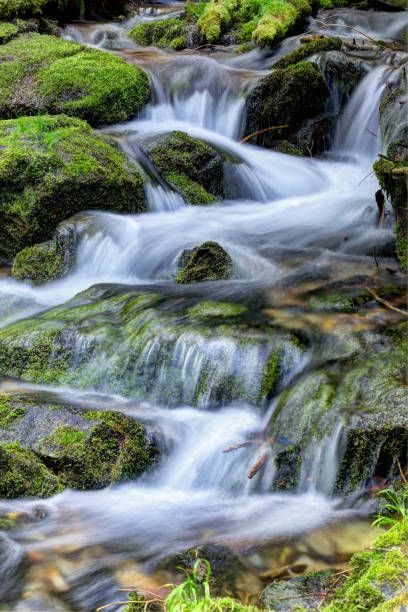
pixel 401 472
pixel 262 457
pixel 269 129
pixel 385 303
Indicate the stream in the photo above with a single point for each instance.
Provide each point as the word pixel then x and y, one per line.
pixel 287 222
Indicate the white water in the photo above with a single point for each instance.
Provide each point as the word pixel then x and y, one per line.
pixel 276 203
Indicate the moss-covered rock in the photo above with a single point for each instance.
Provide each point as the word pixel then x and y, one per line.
pixel 288 97
pixel 264 22
pixel 50 168
pixel 307 50
pixel 206 262
pixel 379 576
pixel 191 167
pixel 7 32
pixel 40 73
pixel 40 263
pixel 172 33
pixel 45 448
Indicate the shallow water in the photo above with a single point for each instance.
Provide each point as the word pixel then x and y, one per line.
pixel 285 221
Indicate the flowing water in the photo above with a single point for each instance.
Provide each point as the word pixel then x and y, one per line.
pixel 285 221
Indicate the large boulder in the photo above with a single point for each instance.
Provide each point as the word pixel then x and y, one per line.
pixel 206 262
pixel 40 73
pixel 50 168
pixel 47 447
pixel 190 166
pixel 286 97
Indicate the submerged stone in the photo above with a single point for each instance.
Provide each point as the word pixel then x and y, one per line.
pixel 45 74
pixel 50 168
pixel 190 166
pixel 286 97
pixel 304 592
pixel 45 448
pixel 206 262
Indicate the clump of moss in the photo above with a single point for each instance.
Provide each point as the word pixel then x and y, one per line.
pixel 7 32
pixel 9 9
pixel 163 33
pixel 207 262
pixel 264 22
pixel 308 49
pixel 50 168
pixel 392 174
pixel 9 413
pixel 272 374
pixel 378 575
pixel 72 9
pixel 191 166
pixel 23 474
pixel 40 263
pixel 40 73
pixel 288 97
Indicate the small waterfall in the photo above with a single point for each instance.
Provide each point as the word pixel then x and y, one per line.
pixel 357 128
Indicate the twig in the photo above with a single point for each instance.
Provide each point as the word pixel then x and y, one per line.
pixel 385 303
pixel 269 129
pixel 336 25
pixel 245 444
pixel 366 176
pixel 401 472
pixel 262 457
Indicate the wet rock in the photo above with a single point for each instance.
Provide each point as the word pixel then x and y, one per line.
pixel 51 168
pixel 306 50
pixel 45 448
pixel 190 166
pixel 304 592
pixel 288 97
pixel 365 392
pixel 392 170
pixel 45 74
pixel 49 260
pixel 206 262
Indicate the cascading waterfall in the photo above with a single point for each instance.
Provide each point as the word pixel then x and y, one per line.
pixel 198 494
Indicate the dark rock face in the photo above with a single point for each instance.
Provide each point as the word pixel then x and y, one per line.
pixel 207 262
pixel 45 448
pixel 288 97
pixel 190 166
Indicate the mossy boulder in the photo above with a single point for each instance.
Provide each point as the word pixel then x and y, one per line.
pixel 50 168
pixel 206 262
pixel 366 393
pixel 308 49
pixel 172 33
pixel 286 97
pixel 190 166
pixel 46 447
pixel 40 73
pixel 40 263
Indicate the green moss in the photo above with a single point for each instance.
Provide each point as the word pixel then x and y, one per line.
pixel 378 575
pixel 205 310
pixel 41 73
pixel 191 166
pixel 284 146
pixel 50 168
pixel 63 9
pixel 7 32
pixel 393 178
pixel 8 413
pixel 286 96
pixel 308 49
pixel 272 374
pixel 163 33
pixel 207 262
pixel 40 263
pixel 24 475
pixel 9 9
